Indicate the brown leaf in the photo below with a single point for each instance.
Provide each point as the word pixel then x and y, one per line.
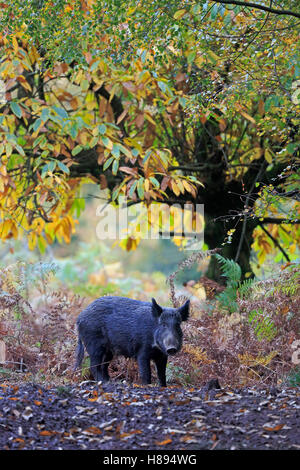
pixel 180 77
pixel 93 430
pixel 163 443
pixel 128 170
pixel 139 120
pixel 122 116
pixel 47 433
pixel 266 427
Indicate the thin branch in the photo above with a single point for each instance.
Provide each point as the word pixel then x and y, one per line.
pixel 278 221
pixel 275 242
pixel 238 251
pixel 259 7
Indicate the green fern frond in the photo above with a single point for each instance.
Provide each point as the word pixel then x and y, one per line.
pixel 230 269
pixel 244 288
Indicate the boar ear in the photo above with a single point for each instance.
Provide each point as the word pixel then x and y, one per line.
pixel 156 309
pixel 185 310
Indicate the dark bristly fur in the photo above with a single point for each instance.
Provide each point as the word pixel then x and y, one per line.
pixel 120 326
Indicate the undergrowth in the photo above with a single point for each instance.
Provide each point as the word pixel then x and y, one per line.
pixel 247 336
pixel 36 321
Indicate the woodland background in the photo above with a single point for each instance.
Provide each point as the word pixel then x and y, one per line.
pixel 175 102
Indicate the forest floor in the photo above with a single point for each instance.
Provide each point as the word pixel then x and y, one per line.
pixel 121 416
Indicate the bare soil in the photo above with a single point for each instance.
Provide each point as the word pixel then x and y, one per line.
pixel 120 416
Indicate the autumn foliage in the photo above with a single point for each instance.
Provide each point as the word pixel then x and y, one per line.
pixel 165 103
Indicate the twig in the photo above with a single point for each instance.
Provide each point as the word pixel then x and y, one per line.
pixel 275 242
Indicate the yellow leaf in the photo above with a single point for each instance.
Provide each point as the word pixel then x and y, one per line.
pixel 179 14
pixel 90 101
pixel 255 153
pixel 268 155
pixel 5 229
pixel 187 186
pixel 33 54
pixel 15 44
pixel 213 55
pixel 149 118
pixel 248 117
pixel 112 92
pixel 199 60
pixel 24 82
pixel 32 239
pixel 180 185
pixel 175 188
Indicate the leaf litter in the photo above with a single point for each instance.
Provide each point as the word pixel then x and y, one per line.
pixel 121 416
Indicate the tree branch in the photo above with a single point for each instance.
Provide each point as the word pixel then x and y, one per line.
pixel 278 221
pixel 259 7
pixel 276 243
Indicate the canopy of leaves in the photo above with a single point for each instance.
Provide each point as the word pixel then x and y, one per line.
pixel 156 101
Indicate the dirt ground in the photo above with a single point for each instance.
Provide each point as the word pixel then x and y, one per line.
pixel 121 416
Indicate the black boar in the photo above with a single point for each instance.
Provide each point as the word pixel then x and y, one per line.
pixel 120 326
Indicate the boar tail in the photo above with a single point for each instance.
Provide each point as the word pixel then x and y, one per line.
pixel 79 354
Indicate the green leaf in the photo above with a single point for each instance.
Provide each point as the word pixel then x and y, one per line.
pixel 108 163
pixel 85 85
pixel 37 124
pixel 125 150
pixel 116 151
pixel 16 109
pixel 45 114
pixel 162 86
pixel 74 130
pixel 61 112
pixel 95 65
pixel 102 129
pixel 132 188
pixel 63 167
pixel 191 57
pixel 14 160
pixel 76 150
pixel 115 167
pixel 140 188
pixel 154 181
pixel 44 170
pixel 106 141
pixel 37 140
pixel 20 149
pixel 51 166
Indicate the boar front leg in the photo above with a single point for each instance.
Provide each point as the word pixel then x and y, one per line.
pixel 161 364
pixel 144 368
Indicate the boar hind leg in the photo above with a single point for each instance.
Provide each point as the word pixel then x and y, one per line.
pixel 97 352
pixel 106 359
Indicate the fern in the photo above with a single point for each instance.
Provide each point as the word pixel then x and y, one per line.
pixel 244 288
pixel 17 281
pixel 232 271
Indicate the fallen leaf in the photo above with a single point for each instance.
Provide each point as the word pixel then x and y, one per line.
pixel 92 430
pixel 163 443
pixel 267 427
pixel 47 433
